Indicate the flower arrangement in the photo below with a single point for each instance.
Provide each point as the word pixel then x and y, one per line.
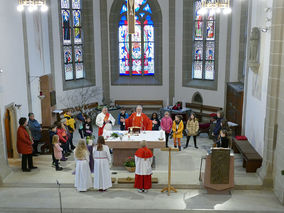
pixel 130 164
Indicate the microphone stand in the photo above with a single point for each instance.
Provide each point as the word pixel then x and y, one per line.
pixel 59 192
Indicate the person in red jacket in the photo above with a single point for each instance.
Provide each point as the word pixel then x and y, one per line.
pixel 24 145
pixel 63 138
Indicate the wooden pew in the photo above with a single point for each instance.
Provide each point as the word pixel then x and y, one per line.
pixel 251 159
pixel 202 111
pixel 152 105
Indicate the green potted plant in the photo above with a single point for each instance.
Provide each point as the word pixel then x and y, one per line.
pixel 130 164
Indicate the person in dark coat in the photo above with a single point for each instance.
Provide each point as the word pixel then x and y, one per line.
pixel 155 121
pixel 35 129
pixel 88 127
pixel 24 145
pixel 52 132
pixel 216 131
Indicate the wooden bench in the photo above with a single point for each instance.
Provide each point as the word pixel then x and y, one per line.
pixel 153 105
pixel 202 111
pixel 251 159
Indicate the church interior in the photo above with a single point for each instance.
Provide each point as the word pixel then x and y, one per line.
pixel 214 68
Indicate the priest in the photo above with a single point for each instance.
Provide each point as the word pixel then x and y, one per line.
pixel 138 119
pixel 104 121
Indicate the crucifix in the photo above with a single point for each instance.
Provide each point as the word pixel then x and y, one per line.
pixel 131 16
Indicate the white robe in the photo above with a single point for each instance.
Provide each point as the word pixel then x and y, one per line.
pixel 100 122
pixel 143 166
pixel 102 161
pixel 83 178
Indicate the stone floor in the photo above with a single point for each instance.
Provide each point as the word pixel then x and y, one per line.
pixel 185 169
pixel 129 200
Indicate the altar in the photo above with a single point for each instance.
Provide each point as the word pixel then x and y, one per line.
pixel 126 145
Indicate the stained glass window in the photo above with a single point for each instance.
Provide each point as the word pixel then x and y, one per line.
pixel 136 51
pixel 203 66
pixel 71 12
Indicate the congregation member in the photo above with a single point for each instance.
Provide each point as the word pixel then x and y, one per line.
pixel 192 127
pixel 217 128
pixel 71 124
pixel 104 121
pixel 166 125
pixel 155 121
pixel 81 120
pixel 123 114
pixel 83 179
pixel 57 150
pixel 138 119
pixel 35 129
pixel 24 145
pixel 223 140
pixel 52 132
pixel 63 138
pixel 102 161
pixel 143 170
pixel 64 122
pixel 177 131
pixel 88 127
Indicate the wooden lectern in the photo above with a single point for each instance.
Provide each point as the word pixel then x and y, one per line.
pixel 169 187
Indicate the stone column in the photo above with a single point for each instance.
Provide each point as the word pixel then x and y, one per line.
pixel 274 123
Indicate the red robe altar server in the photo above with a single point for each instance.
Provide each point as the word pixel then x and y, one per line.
pixel 138 119
pixel 143 171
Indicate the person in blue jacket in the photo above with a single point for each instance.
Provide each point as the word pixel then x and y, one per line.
pixel 35 129
pixel 124 115
pixel 216 131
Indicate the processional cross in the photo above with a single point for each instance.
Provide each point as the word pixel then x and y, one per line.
pixel 131 16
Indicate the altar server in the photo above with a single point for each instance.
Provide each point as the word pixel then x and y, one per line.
pixel 102 161
pixel 143 172
pixel 83 179
pixel 138 119
pixel 104 121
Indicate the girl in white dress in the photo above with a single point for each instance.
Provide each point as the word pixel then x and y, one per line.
pixel 102 161
pixel 83 179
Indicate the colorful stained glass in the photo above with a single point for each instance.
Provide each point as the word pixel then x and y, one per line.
pixel 197 70
pixel 210 30
pixel 65 18
pixel 137 35
pixel 76 4
pixel 149 66
pixel 210 50
pixel 149 50
pixel 123 51
pixel 67 54
pixel 124 67
pixel 198 30
pixel 79 70
pixel 198 50
pixel 211 16
pixel 68 71
pixel 77 36
pixel 123 33
pixel 197 8
pixel 136 50
pixel 78 54
pixel 76 18
pixel 136 67
pixel 209 70
pixel 148 33
pixel 65 4
pixel 147 8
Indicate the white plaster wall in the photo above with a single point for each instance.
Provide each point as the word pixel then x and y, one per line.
pixel 149 92
pixel 210 97
pixel 256 88
pixel 13 79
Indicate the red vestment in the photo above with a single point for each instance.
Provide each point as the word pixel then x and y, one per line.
pixel 140 121
pixel 143 173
